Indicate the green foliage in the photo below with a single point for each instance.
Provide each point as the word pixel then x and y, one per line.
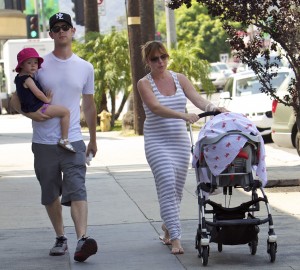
pixel 109 54
pixel 185 60
pixel 197 27
pixel 50 7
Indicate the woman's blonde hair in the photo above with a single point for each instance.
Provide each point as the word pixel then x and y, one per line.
pixel 150 48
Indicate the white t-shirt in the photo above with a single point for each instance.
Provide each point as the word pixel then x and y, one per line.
pixel 68 80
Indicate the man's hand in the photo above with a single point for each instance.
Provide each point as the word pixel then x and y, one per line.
pixel 36 116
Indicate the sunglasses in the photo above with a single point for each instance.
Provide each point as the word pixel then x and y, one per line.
pixel 64 27
pixel 163 57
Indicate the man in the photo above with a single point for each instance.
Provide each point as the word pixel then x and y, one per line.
pixel 61 173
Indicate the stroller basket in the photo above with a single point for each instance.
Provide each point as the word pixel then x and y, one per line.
pixel 230 227
pixel 234 234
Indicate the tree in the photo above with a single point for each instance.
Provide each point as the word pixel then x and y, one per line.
pixel 186 61
pixel 110 57
pixel 280 19
pixel 198 29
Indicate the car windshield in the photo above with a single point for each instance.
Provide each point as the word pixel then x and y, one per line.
pixel 251 85
pixel 273 59
pixel 214 69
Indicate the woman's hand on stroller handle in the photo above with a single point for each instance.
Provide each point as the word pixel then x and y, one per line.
pixel 212 113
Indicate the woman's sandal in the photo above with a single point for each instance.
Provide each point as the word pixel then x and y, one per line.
pixel 64 143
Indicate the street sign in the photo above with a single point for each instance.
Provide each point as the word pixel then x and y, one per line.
pixel 224 57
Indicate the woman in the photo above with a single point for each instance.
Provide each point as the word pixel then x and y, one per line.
pixel 167 146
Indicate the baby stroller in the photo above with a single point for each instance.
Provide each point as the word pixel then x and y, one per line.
pixel 229 155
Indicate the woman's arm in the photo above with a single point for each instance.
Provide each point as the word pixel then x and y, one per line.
pixel 192 94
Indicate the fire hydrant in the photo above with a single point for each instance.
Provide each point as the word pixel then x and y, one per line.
pixel 105 118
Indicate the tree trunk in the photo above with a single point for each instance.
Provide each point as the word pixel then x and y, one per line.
pixel 91 19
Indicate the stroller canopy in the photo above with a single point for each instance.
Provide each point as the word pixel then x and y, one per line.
pixel 219 155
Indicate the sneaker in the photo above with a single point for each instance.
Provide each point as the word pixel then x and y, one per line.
pixel 60 247
pixel 85 248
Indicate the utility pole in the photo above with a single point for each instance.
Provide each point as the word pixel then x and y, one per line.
pixel 171 29
pixel 147 20
pixel 137 69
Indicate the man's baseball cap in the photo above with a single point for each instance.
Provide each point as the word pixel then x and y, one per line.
pixel 60 17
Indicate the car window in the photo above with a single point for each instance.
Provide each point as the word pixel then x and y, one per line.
pixel 273 59
pixel 214 69
pixel 251 85
pixel 222 66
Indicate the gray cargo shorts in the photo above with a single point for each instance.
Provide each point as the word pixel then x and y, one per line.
pixel 60 172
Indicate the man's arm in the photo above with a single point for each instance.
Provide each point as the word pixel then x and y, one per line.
pixel 90 114
pixel 36 116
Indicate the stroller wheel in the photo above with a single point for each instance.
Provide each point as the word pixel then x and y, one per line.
pixel 204 255
pixel 272 249
pixel 253 247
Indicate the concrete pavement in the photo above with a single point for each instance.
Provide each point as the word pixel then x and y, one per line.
pixel 123 211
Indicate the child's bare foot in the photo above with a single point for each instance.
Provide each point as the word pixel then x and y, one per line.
pixel 166 237
pixel 176 247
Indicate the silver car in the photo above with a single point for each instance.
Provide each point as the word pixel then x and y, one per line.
pixel 284 128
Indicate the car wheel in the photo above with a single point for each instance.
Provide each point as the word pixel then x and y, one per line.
pixel 267 138
pixel 298 142
pixel 294 135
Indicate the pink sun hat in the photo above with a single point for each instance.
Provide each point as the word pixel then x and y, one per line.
pixel 25 54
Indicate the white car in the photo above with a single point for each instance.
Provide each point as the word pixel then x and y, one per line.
pixel 242 94
pixel 219 73
pixel 284 127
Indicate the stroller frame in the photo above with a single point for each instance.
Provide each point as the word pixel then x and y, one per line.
pixel 229 226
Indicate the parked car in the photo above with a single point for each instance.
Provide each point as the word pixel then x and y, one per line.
pixel 242 94
pixel 284 128
pixel 261 59
pixel 219 73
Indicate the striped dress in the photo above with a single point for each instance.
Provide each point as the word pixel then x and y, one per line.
pixel 167 148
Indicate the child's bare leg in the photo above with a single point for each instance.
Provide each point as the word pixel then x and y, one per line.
pixel 64 114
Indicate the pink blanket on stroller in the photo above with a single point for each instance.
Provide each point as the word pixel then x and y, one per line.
pixel 218 156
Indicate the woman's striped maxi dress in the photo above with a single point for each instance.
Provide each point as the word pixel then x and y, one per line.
pixel 167 149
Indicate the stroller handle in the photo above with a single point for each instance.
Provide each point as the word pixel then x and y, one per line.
pixel 201 115
pixel 212 113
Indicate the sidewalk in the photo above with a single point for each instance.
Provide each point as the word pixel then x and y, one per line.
pixel 123 211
